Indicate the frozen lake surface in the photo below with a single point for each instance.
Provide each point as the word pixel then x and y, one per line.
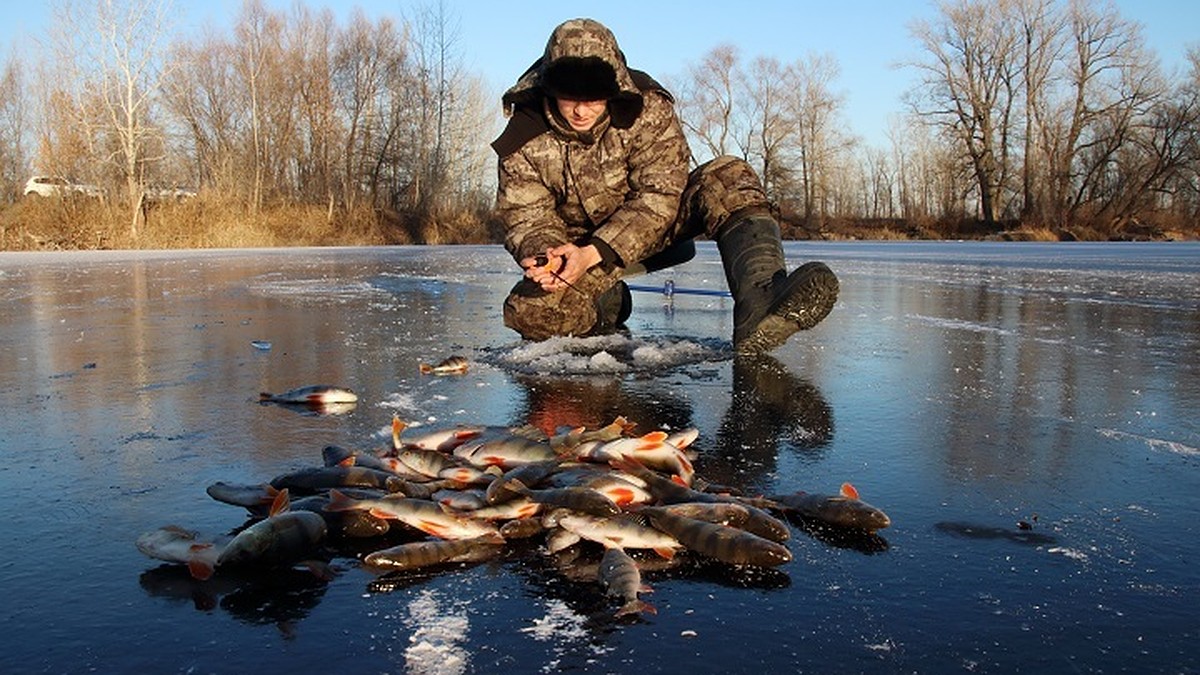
pixel 1027 414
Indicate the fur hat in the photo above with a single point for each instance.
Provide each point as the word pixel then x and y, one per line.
pixel 587 78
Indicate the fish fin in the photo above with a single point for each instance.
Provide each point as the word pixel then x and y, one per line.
pixel 529 510
pixel 677 479
pixel 645 589
pixel 494 471
pixel 200 570
pixel 849 491
pixel 665 553
pixel 425 368
pixel 652 439
pixel 265 396
pixel 339 501
pixel 348 462
pixel 397 429
pixel 431 527
pixel 181 531
pixel 620 496
pixel 492 460
pixel 281 503
pixel 517 486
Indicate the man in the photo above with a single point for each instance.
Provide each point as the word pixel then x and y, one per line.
pixel 594 183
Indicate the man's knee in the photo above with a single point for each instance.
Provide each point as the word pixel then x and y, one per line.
pixel 538 315
pixel 720 188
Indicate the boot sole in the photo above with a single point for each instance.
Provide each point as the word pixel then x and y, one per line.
pixel 810 294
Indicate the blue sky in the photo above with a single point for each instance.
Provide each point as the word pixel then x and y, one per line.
pixel 868 38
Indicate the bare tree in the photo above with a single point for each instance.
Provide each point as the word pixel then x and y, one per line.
pixel 114 52
pixel 706 102
pixel 14 162
pixel 817 111
pixel 966 89
pixel 771 132
pixel 1041 26
pixel 203 95
pixel 310 39
pixel 1111 82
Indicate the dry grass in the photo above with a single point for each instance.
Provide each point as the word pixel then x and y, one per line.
pixel 210 222
pixel 213 221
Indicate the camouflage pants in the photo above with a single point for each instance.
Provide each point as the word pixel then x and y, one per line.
pixel 715 191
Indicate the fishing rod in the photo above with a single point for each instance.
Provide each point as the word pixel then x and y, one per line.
pixel 670 290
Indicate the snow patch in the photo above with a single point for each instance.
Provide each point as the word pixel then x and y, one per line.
pixel 439 631
pixel 606 355
pixel 1154 443
pixel 1068 553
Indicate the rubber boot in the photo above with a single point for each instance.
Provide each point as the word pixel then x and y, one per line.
pixel 769 305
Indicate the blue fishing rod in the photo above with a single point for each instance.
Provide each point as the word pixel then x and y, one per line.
pixel 680 253
pixel 670 290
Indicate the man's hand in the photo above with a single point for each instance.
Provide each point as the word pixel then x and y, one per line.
pixel 561 267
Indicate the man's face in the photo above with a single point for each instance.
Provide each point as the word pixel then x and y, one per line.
pixel 581 115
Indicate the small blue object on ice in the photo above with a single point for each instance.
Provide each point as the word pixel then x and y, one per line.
pixel 261 344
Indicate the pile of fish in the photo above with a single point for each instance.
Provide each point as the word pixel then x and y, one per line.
pixel 468 494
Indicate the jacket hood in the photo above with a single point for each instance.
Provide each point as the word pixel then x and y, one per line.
pixel 581 61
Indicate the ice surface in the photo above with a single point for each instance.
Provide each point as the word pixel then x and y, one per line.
pixel 1028 415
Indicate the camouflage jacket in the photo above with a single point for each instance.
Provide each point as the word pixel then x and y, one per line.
pixel 618 185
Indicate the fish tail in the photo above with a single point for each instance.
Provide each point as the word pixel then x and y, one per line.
pixel 636 607
pixel 425 368
pixel 665 553
pixel 200 570
pixel 265 396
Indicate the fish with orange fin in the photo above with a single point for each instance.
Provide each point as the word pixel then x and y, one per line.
pixel 420 554
pixel 727 544
pixel 422 514
pixel 175 544
pixel 282 539
pixel 652 450
pixel 622 531
pixel 452 365
pixel 845 509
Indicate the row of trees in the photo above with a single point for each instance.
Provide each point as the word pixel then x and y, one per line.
pixel 1053 113
pixel 289 108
